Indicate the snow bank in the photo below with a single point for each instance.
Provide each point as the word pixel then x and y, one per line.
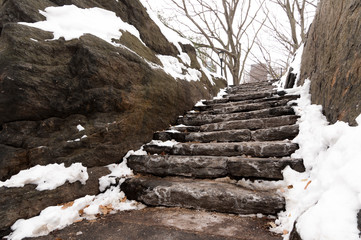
pixel 58 217
pixel 48 177
pixel 71 22
pixel 326 198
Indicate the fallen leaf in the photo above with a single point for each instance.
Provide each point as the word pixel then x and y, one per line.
pixel 67 205
pixel 106 209
pixel 163 153
pixel 272 224
pixel 290 187
pixel 124 199
pixel 282 190
pixel 304 180
pixel 309 182
pixel 285 232
pixel 81 211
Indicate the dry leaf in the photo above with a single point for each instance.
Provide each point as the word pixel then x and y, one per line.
pixel 163 153
pixel 304 180
pixel 81 211
pixel 285 232
pixel 124 199
pixel 67 205
pixel 309 182
pixel 106 209
pixel 282 190
pixel 272 224
pixel 290 187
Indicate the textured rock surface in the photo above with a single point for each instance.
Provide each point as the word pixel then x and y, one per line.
pixel 202 194
pixel 48 88
pixel 213 166
pixel 332 59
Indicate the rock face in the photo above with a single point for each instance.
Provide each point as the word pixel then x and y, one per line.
pixel 48 88
pixel 332 59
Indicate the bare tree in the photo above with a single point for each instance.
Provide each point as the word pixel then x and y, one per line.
pixel 289 35
pixel 225 26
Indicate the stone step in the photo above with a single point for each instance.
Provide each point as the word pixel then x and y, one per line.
pixel 233 108
pixel 211 106
pixel 243 96
pixel 254 149
pixel 251 124
pixel 202 194
pixel 269 134
pixel 184 128
pixel 213 166
pixel 200 119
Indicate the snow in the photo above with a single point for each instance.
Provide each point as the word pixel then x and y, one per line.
pixel 118 170
pixel 169 143
pixel 48 177
pixel 58 217
pixel 222 92
pixel 176 69
pixel 200 103
pixel 80 128
pixel 326 198
pixel 71 22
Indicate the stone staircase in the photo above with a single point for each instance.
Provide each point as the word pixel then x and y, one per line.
pixel 246 134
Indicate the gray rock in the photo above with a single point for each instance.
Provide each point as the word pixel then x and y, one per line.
pixel 188 166
pixel 254 149
pixel 270 168
pixel 332 59
pixel 207 118
pixel 251 123
pixel 213 166
pixel 202 194
pixel 276 133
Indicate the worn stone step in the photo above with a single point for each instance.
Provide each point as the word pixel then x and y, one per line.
pixel 201 119
pixel 254 149
pixel 233 108
pixel 202 194
pixel 211 106
pixel 251 124
pixel 213 166
pixel 269 134
pixel 243 96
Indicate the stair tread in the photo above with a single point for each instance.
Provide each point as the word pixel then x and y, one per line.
pixel 254 123
pixel 202 194
pixel 255 149
pixel 201 119
pixel 213 166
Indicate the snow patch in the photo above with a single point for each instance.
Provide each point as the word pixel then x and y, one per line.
pixel 118 170
pixel 177 70
pixel 58 217
pixel 71 22
pixel 80 128
pixel 48 177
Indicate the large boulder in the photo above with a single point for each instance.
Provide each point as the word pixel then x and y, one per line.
pixel 51 90
pixel 332 59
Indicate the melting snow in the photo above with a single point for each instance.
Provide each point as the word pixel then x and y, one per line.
pixel 71 22
pixel 48 177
